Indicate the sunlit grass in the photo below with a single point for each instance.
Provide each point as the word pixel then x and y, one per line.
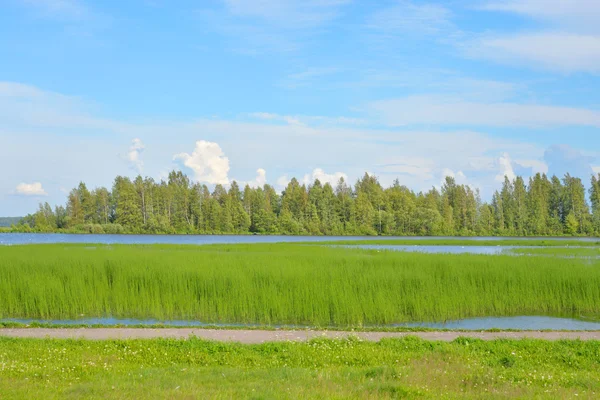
pixel 323 369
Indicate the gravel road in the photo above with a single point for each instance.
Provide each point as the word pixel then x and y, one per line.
pixel 258 336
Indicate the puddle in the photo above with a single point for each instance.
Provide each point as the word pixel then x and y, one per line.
pixel 520 323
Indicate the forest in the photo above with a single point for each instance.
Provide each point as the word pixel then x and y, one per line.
pixel 542 206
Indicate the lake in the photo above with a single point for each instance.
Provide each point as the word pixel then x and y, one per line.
pixel 46 238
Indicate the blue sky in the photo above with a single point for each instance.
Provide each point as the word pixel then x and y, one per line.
pixel 260 91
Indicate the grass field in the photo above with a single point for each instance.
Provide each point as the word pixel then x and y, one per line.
pixel 398 368
pixel 271 284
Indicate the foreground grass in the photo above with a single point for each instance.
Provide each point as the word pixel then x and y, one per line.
pixel 393 368
pixel 270 284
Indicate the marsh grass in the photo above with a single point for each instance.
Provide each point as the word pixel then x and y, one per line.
pixel 270 284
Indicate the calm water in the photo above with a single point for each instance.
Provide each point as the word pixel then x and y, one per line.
pixel 519 323
pixel 488 250
pixel 39 238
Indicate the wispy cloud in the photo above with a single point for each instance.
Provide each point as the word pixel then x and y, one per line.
pixel 569 40
pixel 575 14
pixel 306 120
pixel 62 9
pixel 556 51
pixel 448 110
pixel 308 77
pixel 256 27
pixel 409 18
pixel 288 14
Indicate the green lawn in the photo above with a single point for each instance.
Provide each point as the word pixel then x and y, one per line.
pixel 398 368
pixel 270 284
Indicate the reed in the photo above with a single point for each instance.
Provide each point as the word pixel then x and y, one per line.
pixel 274 284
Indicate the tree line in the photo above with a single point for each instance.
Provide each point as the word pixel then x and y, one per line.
pixel 542 206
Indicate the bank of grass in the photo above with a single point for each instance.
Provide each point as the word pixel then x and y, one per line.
pixel 273 284
pixel 500 241
pixel 332 369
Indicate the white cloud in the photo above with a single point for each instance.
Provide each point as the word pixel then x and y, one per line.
pixel 534 165
pixel 282 182
pixel 137 147
pixel 208 163
pixel 444 110
pixel 459 177
pixel 558 51
pixel 596 169
pixel 506 168
pixel 259 181
pixel 30 189
pixel 288 119
pixel 323 177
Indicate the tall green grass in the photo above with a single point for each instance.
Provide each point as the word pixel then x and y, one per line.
pixel 287 284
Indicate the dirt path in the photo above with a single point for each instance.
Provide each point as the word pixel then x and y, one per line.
pixel 256 336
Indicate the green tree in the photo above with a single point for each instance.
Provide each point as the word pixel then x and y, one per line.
pixel 575 204
pixel 595 200
pixel 127 209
